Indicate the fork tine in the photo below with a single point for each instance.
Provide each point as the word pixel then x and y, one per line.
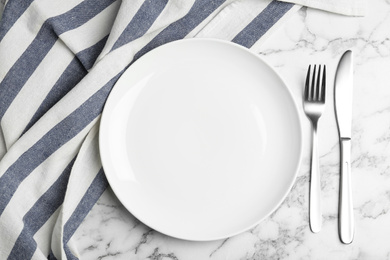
pixel 307 83
pixel 318 84
pixel 323 85
pixel 312 88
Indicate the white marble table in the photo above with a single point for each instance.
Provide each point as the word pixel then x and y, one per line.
pixel 310 36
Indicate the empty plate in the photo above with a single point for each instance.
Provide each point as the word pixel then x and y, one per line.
pixel 200 139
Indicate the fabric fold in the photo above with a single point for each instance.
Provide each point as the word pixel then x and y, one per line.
pixel 344 7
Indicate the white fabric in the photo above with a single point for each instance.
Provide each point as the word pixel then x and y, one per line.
pixel 345 7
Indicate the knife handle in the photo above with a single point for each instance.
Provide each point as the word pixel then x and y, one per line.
pixel 346 220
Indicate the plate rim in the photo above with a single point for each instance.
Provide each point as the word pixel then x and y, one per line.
pixel 300 143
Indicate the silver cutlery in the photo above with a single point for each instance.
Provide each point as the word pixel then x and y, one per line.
pixel 343 108
pixel 314 105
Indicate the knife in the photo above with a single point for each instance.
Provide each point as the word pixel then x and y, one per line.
pixel 343 110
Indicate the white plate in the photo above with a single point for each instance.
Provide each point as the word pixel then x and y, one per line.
pixel 200 139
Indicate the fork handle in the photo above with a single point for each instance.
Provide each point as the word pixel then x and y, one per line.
pixel 346 221
pixel 315 214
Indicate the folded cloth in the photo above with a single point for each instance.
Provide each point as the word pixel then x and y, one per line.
pixel 346 7
pixel 59 61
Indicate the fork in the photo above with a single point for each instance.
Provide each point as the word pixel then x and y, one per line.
pixel 313 105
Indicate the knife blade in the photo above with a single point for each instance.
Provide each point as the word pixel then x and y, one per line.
pixel 343 109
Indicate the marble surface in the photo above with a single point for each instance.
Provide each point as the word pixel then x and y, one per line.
pixel 310 36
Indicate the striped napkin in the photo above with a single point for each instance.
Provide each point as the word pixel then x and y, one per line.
pixel 58 62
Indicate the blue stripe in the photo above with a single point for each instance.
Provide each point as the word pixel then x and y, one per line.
pixel 12 11
pixel 24 67
pixel 69 78
pixel 37 216
pixel 88 56
pixel 179 29
pixel 141 22
pixel 78 15
pixel 95 190
pixel 262 23
pixel 72 75
pixel 51 142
